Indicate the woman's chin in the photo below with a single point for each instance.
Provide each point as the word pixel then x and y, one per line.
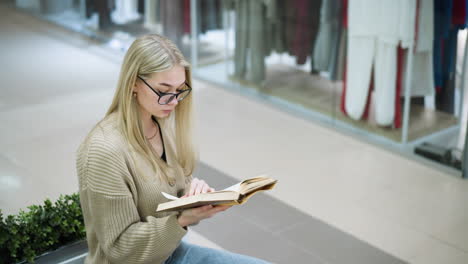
pixel 166 113
pixel 163 114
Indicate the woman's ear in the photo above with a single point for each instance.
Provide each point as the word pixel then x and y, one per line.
pixel 135 90
pixel 135 87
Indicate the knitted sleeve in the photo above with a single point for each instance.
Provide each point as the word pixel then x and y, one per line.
pixel 111 214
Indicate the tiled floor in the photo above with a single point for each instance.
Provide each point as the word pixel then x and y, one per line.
pixel 55 86
pixel 273 230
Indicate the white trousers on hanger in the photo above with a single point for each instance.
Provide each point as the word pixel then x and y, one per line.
pixel 365 53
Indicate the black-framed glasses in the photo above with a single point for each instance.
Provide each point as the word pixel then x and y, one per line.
pixel 165 98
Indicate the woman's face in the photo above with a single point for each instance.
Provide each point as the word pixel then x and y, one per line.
pixel 169 81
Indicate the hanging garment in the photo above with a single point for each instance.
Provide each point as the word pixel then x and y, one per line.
pixel 335 53
pixel 327 43
pixel 422 80
pixel 210 16
pixel 258 33
pixel 103 9
pixel 250 49
pixel 442 25
pixel 363 52
pixel 89 8
pixel 302 19
pixel 399 87
pixel 141 6
pixel 445 96
pixel 258 48
pixel 375 30
pixel 151 13
pixel 241 47
pixel 187 22
pixel 425 26
pixel 171 13
pixel 275 27
pixel 342 66
pixel 459 13
pixel 449 17
pixel 125 11
pixel 339 66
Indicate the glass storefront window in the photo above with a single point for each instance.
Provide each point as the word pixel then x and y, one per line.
pixel 391 72
pixel 331 60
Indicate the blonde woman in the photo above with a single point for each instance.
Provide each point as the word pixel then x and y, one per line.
pixel 143 147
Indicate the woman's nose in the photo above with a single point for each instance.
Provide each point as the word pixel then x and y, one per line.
pixel 174 101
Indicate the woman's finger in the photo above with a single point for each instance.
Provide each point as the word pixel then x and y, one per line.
pixel 216 209
pixel 197 211
pixel 193 186
pixel 205 188
pixel 199 186
pixel 223 207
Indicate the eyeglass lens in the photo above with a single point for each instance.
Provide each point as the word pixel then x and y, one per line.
pixel 165 99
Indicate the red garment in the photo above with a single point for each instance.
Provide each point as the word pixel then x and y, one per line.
pixel 365 115
pixel 300 36
pixel 186 7
pixel 343 94
pixel 302 21
pixel 459 12
pixel 399 87
pixel 345 13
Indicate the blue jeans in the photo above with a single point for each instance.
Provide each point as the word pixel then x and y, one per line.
pixel 188 253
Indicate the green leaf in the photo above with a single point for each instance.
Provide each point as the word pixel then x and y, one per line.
pixel 40 229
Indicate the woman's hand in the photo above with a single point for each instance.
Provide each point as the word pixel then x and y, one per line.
pixel 198 186
pixel 195 215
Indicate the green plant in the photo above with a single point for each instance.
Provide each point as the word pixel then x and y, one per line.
pixel 40 229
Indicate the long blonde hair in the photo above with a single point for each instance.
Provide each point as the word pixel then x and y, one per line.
pixel 150 54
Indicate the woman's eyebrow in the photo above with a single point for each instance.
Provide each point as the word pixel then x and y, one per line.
pixel 170 86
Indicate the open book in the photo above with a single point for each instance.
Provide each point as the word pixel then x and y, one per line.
pixel 236 194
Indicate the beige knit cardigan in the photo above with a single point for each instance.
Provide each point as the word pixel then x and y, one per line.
pixel 119 193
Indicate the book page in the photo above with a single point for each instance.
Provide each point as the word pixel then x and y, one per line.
pixel 243 186
pixel 255 185
pixel 235 187
pixel 222 197
pixel 168 196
